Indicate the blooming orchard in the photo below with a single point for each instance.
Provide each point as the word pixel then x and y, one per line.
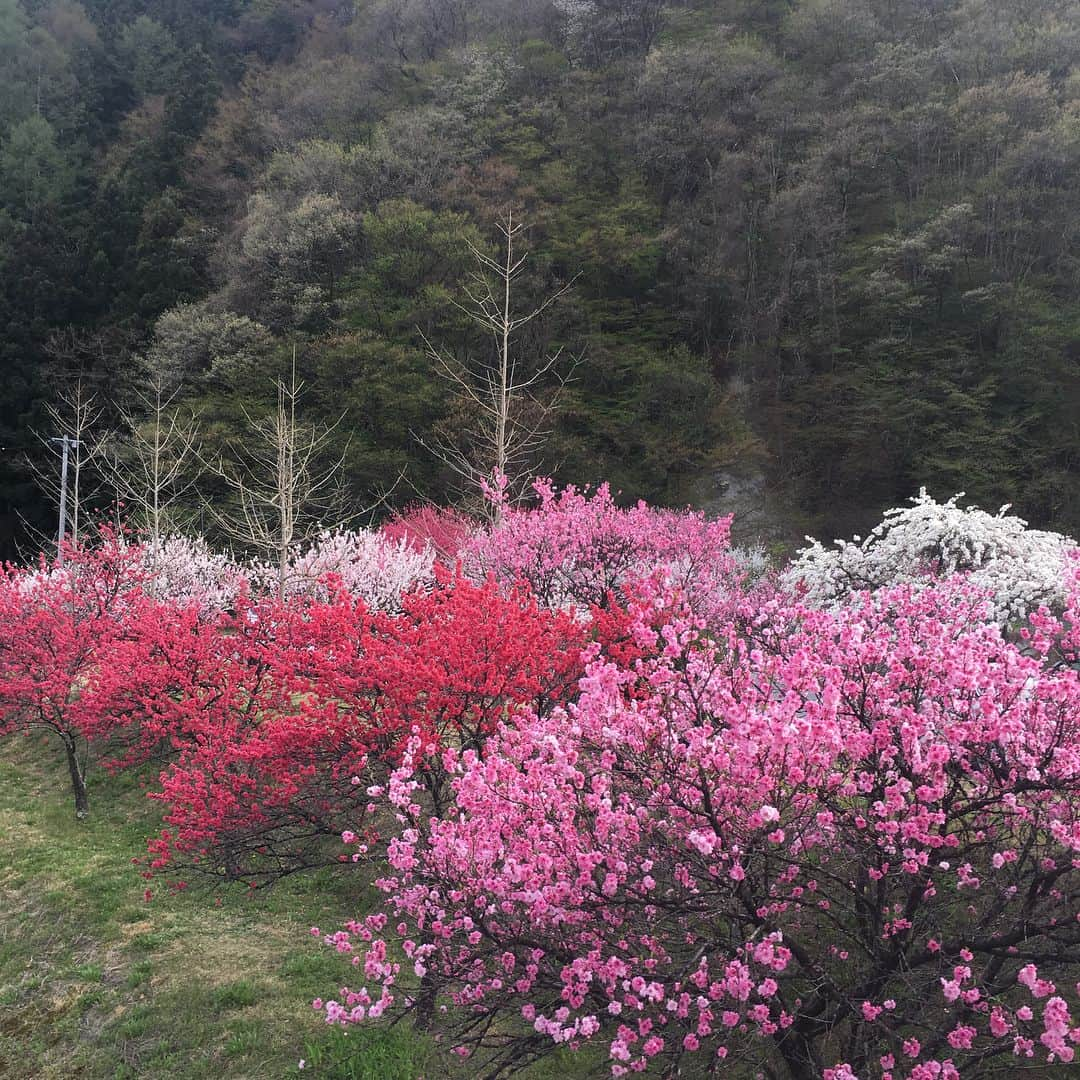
pixel 617 784
pixel 830 840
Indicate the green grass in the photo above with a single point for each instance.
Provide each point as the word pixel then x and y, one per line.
pixel 366 1054
pixel 211 982
pixel 237 995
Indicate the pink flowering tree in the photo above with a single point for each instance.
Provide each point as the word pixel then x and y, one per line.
pixel 820 844
pixel 576 548
pixel 439 528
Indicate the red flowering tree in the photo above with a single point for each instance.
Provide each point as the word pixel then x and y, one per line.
pixel 71 642
pixel 287 715
pixel 458 660
pixel 263 764
pixel 439 528
pixel 823 844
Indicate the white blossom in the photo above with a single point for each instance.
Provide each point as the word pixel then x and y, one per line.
pixel 1020 568
pixel 367 565
pixel 577 15
pixel 185 569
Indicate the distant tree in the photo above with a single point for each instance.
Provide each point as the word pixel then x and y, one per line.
pixel 34 170
pixel 287 265
pixel 417 30
pixel 284 491
pixel 195 340
pixel 510 396
pixel 150 55
pixel 154 466
pixel 607 30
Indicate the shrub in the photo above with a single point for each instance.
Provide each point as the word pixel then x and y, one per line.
pixel 834 843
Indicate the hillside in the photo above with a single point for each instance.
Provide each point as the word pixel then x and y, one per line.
pixel 830 243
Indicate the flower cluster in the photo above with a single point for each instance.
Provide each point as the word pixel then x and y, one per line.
pixel 185 569
pixel 441 529
pixel 796 831
pixel 576 549
pixel 1020 568
pixel 283 714
pixel 368 565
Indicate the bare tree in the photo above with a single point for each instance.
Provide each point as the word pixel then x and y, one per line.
pixel 284 492
pixel 157 465
pixel 510 395
pixel 603 30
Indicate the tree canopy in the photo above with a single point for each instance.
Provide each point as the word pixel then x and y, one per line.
pixel 831 241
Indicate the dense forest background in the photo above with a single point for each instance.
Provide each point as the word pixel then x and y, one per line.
pixel 831 244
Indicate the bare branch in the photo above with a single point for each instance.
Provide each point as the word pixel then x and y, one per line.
pixel 155 465
pixel 283 494
pixel 74 418
pixel 512 422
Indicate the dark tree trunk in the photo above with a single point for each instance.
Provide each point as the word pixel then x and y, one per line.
pixel 78 780
pixel 800 1055
pixel 425 1003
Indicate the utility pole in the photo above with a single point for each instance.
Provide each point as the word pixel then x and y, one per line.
pixel 68 444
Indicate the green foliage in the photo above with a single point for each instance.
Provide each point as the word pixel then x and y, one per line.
pixel 34 172
pixel 150 56
pixel 834 240
pixel 413 262
pixel 389 394
pixel 649 419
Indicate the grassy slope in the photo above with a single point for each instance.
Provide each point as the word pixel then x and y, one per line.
pixel 215 982
pixel 95 982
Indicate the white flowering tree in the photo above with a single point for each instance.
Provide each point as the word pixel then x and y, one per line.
pixel 1020 568
pixel 366 564
pixel 185 569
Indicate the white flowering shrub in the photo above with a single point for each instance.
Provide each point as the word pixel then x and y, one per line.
pixel 479 79
pixel 753 563
pixel 176 569
pixel 185 569
pixel 577 15
pixel 1020 568
pixel 367 564
pixel 32 579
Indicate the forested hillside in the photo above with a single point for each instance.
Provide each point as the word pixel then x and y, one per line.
pixel 833 242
